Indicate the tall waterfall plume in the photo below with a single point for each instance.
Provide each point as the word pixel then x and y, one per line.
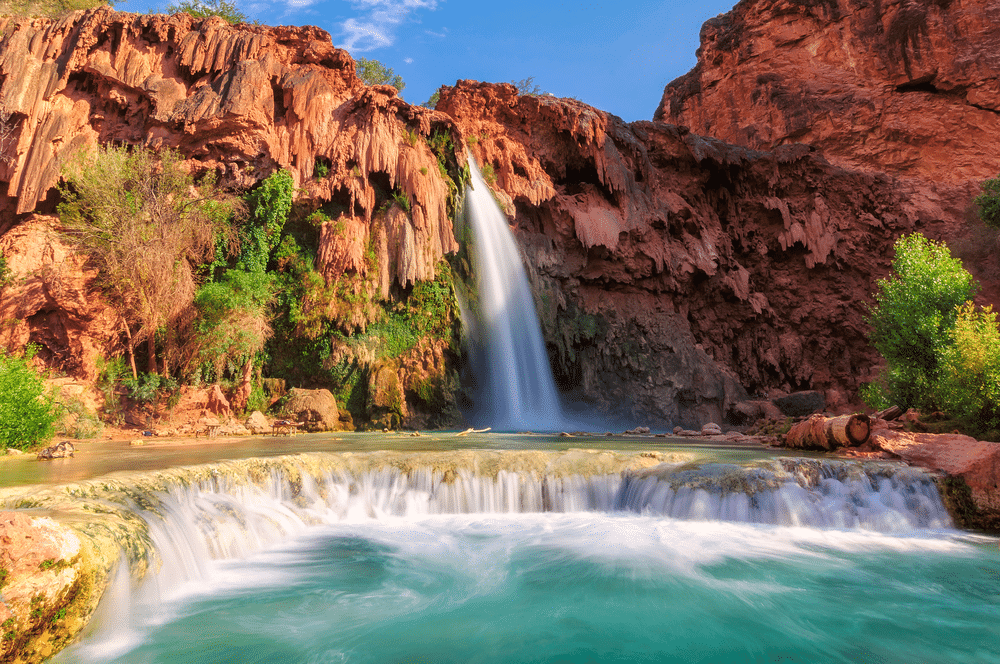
pixel 515 389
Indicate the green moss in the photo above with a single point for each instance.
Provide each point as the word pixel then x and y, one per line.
pixel 957 497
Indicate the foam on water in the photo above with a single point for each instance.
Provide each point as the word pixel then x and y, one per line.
pixel 223 537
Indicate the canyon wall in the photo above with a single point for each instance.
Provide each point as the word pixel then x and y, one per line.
pixel 236 101
pixel 903 87
pixel 674 268
pixel 675 273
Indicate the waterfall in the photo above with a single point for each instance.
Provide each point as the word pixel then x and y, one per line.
pixel 515 388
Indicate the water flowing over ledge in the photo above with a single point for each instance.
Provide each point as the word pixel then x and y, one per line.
pixel 168 527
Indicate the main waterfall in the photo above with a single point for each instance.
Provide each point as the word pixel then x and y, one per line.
pixel 514 385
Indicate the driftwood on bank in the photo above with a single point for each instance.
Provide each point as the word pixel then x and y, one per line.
pixel 827 433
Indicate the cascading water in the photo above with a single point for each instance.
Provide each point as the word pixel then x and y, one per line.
pixel 307 559
pixel 515 388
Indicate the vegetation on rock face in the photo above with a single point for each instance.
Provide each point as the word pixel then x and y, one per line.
pixel 146 225
pixel 373 72
pixel 46 7
pixel 224 9
pixel 941 351
pixel 914 312
pixel 27 414
pixel 988 202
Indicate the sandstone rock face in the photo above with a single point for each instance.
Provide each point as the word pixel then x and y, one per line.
pixel 241 101
pixel 316 408
pixel 902 86
pixel 49 300
pixel 37 559
pixel 672 268
pixel 974 462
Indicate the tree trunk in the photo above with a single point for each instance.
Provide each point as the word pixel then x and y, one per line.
pixel 829 433
pixel 131 348
pixel 151 347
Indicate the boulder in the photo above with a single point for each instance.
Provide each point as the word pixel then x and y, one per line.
pixel 316 409
pixel 257 423
pixel 58 451
pixel 711 429
pixel 800 404
pixel 217 401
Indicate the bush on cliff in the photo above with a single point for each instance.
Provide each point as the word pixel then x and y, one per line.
pixel 373 72
pixel 27 413
pixel 969 378
pixel 228 11
pixel 988 202
pixel 146 225
pixel 915 310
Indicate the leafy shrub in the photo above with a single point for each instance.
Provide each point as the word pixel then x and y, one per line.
pixel 373 72
pixel 269 205
pixel 233 321
pixel 988 202
pixel 224 9
pixel 74 420
pixel 969 376
pixel 914 311
pixel 875 396
pixel 27 414
pixel 147 387
pixel 321 169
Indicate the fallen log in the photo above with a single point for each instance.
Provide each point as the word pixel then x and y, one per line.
pixel 828 433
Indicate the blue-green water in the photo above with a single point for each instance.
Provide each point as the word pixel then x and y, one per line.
pixel 589 588
pixel 847 565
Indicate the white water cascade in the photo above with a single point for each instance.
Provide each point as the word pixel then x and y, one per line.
pixel 194 525
pixel 515 387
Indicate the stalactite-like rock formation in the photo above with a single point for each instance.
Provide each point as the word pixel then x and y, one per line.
pixel 670 263
pixel 242 101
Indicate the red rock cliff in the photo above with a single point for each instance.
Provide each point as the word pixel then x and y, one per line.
pixel 669 263
pixel 905 87
pixel 239 100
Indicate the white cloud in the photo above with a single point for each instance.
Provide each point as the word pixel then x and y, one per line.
pixel 377 24
pixel 408 61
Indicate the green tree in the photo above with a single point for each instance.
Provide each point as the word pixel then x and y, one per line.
pixel 373 72
pixel 204 8
pixel 969 375
pixel 46 7
pixel 526 86
pixel 433 101
pixel 145 224
pixel 27 413
pixel 988 202
pixel 914 313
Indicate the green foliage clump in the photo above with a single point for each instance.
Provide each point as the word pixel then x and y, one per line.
pixel 6 277
pixel 224 9
pixel 269 205
pixel 147 388
pixel 914 311
pixel 27 413
pixel 969 376
pixel 875 396
pixel 988 202
pixel 489 175
pixel 373 72
pixel 233 322
pixel 51 8
pixel 433 101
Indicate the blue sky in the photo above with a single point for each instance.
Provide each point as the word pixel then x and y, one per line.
pixel 617 56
